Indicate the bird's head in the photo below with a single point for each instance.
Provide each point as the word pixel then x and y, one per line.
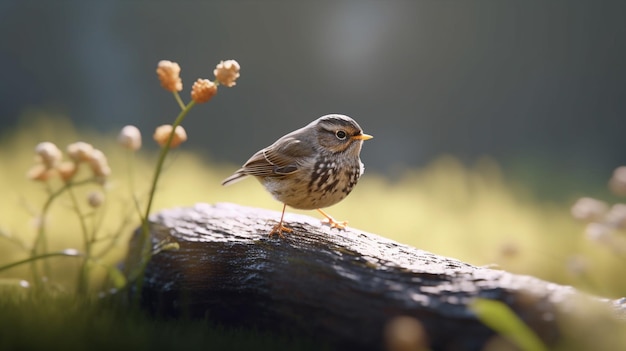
pixel 339 134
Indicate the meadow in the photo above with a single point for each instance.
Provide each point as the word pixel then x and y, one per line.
pixel 473 213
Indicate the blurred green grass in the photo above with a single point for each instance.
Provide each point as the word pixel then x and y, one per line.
pixel 62 322
pixel 471 213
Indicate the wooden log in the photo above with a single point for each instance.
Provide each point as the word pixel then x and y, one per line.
pixel 341 287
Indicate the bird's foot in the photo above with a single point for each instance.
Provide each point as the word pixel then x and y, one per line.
pixel 279 229
pixel 331 222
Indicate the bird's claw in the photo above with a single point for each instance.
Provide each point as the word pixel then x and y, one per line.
pixel 331 222
pixel 279 229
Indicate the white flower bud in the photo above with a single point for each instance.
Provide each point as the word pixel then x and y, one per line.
pixel 49 153
pixel 130 138
pixel 80 151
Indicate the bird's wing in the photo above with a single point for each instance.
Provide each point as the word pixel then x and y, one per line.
pixel 279 159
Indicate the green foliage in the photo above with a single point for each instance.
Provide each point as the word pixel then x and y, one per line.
pixel 61 322
pixel 499 317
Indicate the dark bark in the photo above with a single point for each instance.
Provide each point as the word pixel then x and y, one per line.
pixel 339 286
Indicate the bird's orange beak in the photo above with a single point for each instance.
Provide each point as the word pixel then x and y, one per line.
pixel 362 137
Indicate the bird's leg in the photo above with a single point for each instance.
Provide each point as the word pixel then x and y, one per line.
pixel 331 221
pixel 280 228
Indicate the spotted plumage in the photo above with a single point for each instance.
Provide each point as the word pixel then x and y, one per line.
pixel 311 168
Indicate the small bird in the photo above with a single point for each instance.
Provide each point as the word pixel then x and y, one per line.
pixel 310 168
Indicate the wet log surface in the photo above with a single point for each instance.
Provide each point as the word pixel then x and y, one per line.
pixel 340 287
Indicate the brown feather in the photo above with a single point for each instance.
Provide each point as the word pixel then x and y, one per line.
pixel 276 160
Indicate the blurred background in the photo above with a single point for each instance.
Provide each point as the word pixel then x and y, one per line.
pixel 490 118
pixel 534 82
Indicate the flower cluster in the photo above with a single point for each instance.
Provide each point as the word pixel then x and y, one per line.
pixel 226 74
pixel 203 90
pixel 50 164
pixel 604 221
pixel 49 161
pixel 169 75
pixel 162 134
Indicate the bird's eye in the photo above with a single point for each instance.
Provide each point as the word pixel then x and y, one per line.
pixel 341 135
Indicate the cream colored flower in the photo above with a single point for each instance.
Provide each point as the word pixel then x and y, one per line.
pixel 227 72
pixel 80 151
pixel 598 232
pixel 99 164
pixel 39 172
pixel 95 199
pixel 203 90
pixel 49 153
pixel 617 184
pixel 162 133
pixel 130 138
pixel 616 217
pixel 169 75
pixel 67 170
pixel 588 209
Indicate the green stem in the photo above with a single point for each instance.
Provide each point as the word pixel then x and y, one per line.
pixel 113 238
pixel 179 100
pixel 164 150
pixel 130 165
pixel 40 257
pixel 40 238
pixel 84 270
pixel 145 247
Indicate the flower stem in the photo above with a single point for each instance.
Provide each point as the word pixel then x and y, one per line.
pixel 179 100
pixel 84 270
pixel 144 245
pixel 34 258
pixel 40 238
pixel 130 165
